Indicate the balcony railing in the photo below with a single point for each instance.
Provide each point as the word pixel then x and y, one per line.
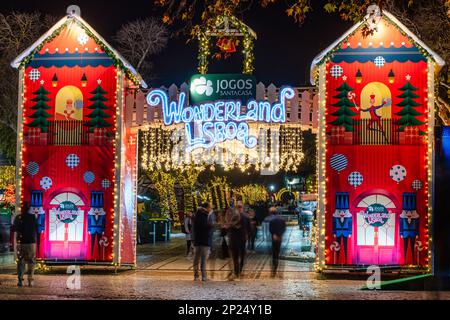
pixel 67 133
pixel 370 132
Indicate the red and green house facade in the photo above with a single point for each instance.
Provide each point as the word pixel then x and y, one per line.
pixel 376 119
pixel 76 158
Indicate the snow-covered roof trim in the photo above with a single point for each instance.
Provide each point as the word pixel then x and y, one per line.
pixel 67 19
pixel 319 58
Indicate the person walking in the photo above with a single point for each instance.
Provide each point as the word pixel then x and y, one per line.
pixel 201 239
pixel 238 232
pixel 26 228
pixel 188 226
pixel 224 221
pixel 212 223
pixel 253 229
pixel 277 227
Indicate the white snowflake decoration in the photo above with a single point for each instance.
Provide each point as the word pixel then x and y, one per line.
pixel 397 173
pixel 34 74
pixel 379 61
pixel 46 183
pixel 336 71
pixel 82 38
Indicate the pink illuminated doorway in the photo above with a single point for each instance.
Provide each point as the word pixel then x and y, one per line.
pixel 376 230
pixel 66 227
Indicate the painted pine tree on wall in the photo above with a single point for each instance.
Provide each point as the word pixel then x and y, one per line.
pixel 408 114
pixel 98 115
pixel 40 115
pixel 344 114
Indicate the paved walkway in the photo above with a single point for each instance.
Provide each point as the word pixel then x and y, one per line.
pixel 171 256
pixel 164 272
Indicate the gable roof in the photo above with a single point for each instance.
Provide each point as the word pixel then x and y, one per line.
pixel 65 22
pixel 321 56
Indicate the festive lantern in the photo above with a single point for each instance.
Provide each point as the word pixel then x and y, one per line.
pixel 358 76
pixel 391 76
pixel 54 81
pixel 84 80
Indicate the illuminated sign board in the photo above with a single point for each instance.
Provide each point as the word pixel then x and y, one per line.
pixel 212 87
pixel 210 123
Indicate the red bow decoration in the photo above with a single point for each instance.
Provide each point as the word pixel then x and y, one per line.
pixel 227 45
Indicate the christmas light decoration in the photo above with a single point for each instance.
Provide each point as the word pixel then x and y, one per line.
pixel 238 29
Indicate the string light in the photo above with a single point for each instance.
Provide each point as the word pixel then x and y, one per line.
pixel 203 37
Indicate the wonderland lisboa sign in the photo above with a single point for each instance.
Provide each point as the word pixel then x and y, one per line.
pixel 214 122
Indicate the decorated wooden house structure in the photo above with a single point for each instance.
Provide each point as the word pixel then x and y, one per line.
pixel 375 136
pixel 76 159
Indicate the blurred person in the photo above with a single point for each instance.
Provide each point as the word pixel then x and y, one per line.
pixel 188 230
pixel 253 229
pixel 25 226
pixel 277 227
pixel 224 221
pixel 238 231
pixel 212 223
pixel 201 229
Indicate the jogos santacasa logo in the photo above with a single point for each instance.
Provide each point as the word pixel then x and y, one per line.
pixel 202 86
pixel 66 212
pixel 210 87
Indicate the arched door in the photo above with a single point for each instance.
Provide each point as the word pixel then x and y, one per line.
pixel 376 230
pixel 66 237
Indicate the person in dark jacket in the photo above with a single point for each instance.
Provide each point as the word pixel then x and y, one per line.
pixel 26 227
pixel 201 229
pixel 277 227
pixel 239 231
pixel 253 229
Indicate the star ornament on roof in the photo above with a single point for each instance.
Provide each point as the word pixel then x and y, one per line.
pixel 408 77
pixel 42 82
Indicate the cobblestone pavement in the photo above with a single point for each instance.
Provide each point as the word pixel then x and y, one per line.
pixel 178 285
pixel 163 272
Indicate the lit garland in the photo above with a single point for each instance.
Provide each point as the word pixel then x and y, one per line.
pixel 252 193
pixel 330 53
pixel 429 159
pixel 278 148
pixel 164 184
pixel 291 148
pixel 7 176
pixel 117 62
pixel 204 36
pixel 118 105
pixel 20 145
pixel 321 171
pixel 187 179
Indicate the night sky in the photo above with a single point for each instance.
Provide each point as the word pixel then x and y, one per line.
pixel 283 50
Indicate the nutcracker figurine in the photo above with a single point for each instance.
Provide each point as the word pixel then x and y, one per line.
pixel 96 220
pixel 409 223
pixel 37 209
pixel 342 221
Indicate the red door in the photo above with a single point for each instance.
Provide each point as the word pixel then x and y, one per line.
pixel 66 230
pixel 376 231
